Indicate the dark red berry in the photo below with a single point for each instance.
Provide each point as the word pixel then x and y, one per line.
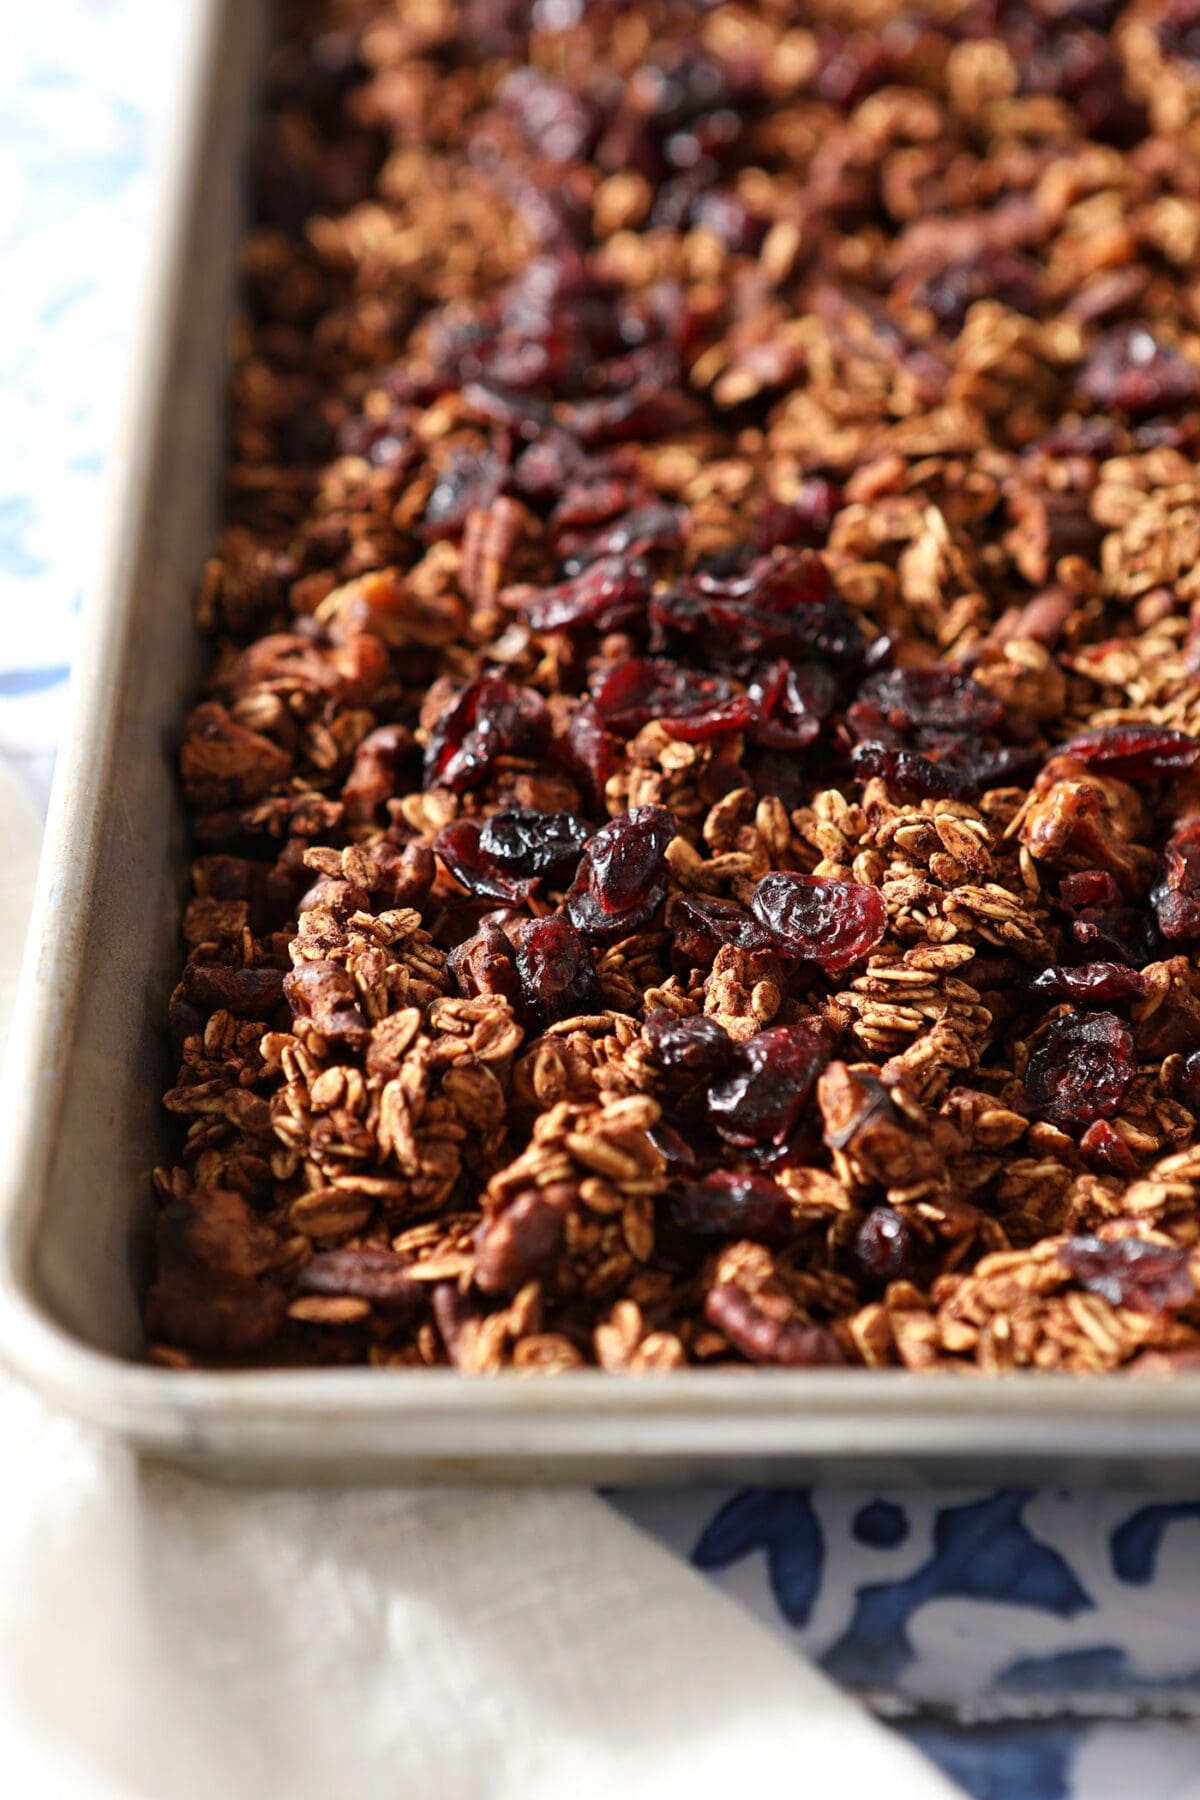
pixel 805 520
pixel 467 480
pixel 489 718
pixel 908 774
pixel 923 707
pixel 1189 1083
pixel 699 1044
pixel 762 1101
pixel 700 921
pixel 526 843
pixel 1003 275
pixel 830 922
pixel 609 593
pixel 792 702
pixel 1176 896
pixel 689 705
pixel 726 1205
pixel 459 846
pixel 1130 1272
pixel 558 980
pixel 1090 982
pixel 1090 887
pixel 1117 932
pixel 1133 371
pixel 1081 1069
pixel 1134 752
pixel 584 750
pixel 886 1245
pixel 1104 1150
pixel 623 875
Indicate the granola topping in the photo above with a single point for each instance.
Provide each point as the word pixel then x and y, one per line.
pixel 697 793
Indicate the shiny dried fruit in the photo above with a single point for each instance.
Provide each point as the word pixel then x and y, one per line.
pixel 622 879
pixel 526 843
pixel 832 923
pixel 727 1205
pixel 886 1245
pixel 1135 752
pixel 1090 982
pixel 558 980
pixel 699 1045
pixel 1130 1272
pixel 460 847
pixel 690 706
pixel 1133 371
pixel 1080 1069
pixel 489 718
pixel 1176 896
pixel 763 1100
pixel 611 592
pixel 922 708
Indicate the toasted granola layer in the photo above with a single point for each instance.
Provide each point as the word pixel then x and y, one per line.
pixel 696 802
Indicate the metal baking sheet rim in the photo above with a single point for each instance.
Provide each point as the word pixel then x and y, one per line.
pixel 343 1425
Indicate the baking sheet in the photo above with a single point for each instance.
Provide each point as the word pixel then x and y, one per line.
pixel 88 1060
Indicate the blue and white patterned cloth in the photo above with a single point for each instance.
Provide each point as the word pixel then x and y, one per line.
pixel 1038 1646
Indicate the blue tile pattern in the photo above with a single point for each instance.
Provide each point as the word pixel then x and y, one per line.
pixel 1038 1646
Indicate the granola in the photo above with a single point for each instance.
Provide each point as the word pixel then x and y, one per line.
pixel 697 794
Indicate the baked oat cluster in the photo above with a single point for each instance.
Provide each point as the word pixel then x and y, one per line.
pixel 696 801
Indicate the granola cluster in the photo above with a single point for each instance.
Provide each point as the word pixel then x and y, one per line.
pixel 697 798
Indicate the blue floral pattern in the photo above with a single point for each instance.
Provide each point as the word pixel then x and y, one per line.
pixel 1038 1646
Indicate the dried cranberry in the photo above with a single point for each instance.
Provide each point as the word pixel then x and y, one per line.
pixel 609 593
pixel 584 749
pixel 908 774
pixel 1105 1150
pixel 1177 29
pixel 466 481
pixel 490 718
pixel 639 531
pixel 1081 1069
pixel 792 701
pixel 1119 932
pixel 723 212
pixel 555 967
pixel 1132 371
pixel 805 520
pixel 1004 275
pixel 1176 897
pixel 886 1244
pixel 689 705
pixel 1189 1083
pixel 525 842
pixel 622 879
pixel 1144 1277
pixel 830 922
pixel 1090 982
pixel 779 605
pixel 761 1103
pixel 715 922
pixel 1089 887
pixel 460 848
pixel 554 118
pixel 699 1045
pixel 1134 752
pixel 727 1205
pixel 923 707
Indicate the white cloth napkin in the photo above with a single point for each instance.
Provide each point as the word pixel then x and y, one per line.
pixel 161 1639
pixel 166 1640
